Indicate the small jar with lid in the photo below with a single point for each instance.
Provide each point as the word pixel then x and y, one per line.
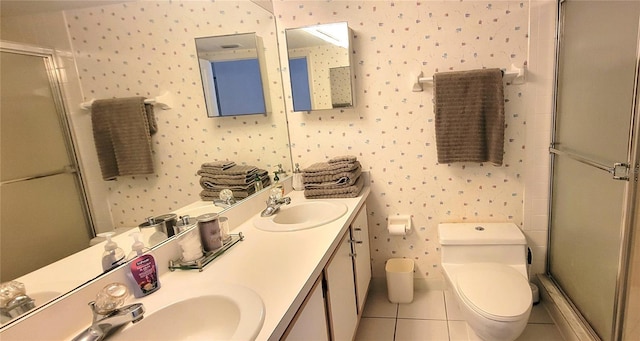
pixel 210 234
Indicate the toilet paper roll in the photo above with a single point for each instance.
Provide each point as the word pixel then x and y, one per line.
pixel 396 229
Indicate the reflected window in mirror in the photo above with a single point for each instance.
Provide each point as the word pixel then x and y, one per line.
pixel 320 67
pixel 231 69
pixel 301 92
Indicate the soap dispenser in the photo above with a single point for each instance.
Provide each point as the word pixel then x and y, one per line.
pixel 276 180
pixel 112 255
pixel 257 183
pixel 297 181
pixel 143 270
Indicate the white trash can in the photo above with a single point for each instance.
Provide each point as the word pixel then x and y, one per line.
pixel 400 280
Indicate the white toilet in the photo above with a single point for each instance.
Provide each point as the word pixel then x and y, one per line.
pixel 485 265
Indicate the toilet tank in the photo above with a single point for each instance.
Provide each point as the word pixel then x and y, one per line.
pixel 482 242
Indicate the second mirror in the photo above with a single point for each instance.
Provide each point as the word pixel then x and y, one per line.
pixel 320 67
pixel 232 74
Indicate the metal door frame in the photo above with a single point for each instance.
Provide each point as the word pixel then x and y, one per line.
pixel 629 201
pixel 49 58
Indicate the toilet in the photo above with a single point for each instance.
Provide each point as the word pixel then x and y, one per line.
pixel 485 266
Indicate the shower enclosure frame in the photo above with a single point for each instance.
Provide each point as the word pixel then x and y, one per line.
pixel 628 218
pixel 55 81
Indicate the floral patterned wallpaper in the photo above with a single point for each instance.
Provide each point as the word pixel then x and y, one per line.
pixel 391 129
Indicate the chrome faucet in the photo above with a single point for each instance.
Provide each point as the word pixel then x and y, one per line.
pixel 103 324
pixel 273 205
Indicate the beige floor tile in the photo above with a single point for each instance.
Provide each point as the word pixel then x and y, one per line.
pixel 426 319
pixel 537 332
pixel 378 305
pixel 453 311
pixel 426 305
pixel 421 330
pixel 376 329
pixel 540 315
pixel 458 331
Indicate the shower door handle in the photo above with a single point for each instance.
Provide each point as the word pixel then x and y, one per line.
pixel 68 169
pixel 619 170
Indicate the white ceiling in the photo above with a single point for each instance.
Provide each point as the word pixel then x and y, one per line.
pixel 11 8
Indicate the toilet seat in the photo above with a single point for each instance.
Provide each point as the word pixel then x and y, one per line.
pixel 495 291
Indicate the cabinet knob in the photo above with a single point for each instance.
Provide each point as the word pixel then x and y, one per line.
pixel 355 241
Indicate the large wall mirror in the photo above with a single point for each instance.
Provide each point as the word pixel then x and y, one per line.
pixel 233 74
pixel 110 49
pixel 320 67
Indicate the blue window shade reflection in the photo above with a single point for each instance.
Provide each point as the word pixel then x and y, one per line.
pixel 239 87
pixel 300 84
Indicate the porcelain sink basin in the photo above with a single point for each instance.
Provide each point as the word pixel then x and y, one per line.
pixel 300 216
pixel 232 313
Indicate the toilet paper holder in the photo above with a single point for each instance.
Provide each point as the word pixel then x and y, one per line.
pixel 399 224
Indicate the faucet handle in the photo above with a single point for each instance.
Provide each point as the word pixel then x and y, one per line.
pixel 286 200
pixel 9 291
pixel 110 298
pixel 275 194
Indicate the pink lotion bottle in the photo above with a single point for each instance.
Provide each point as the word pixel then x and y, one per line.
pixel 143 269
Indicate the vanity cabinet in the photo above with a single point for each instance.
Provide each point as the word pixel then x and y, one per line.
pixel 341 298
pixel 310 323
pixel 333 307
pixel 361 256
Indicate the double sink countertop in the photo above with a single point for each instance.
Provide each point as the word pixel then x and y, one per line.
pixel 281 267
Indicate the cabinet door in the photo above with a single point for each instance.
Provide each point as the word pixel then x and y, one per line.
pixel 362 256
pixel 341 298
pixel 310 322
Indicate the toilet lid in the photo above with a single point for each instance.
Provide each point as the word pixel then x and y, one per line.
pixel 496 291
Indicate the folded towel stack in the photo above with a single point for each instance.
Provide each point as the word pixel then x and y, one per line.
pixel 219 175
pixel 337 178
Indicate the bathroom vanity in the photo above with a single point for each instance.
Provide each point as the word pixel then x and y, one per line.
pixel 287 270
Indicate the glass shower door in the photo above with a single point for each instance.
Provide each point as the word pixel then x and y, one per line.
pixel 43 216
pixel 597 67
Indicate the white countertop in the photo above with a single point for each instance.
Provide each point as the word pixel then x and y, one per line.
pixel 281 267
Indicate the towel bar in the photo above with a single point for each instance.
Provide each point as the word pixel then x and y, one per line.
pixel 514 76
pixel 164 101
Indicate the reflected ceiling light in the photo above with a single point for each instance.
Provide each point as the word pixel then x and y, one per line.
pixel 335 34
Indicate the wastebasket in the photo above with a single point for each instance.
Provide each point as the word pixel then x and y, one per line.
pixel 400 280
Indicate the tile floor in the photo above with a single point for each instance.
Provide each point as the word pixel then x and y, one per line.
pixel 434 316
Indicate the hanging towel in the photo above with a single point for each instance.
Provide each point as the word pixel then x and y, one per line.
pixel 122 129
pixel 469 109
